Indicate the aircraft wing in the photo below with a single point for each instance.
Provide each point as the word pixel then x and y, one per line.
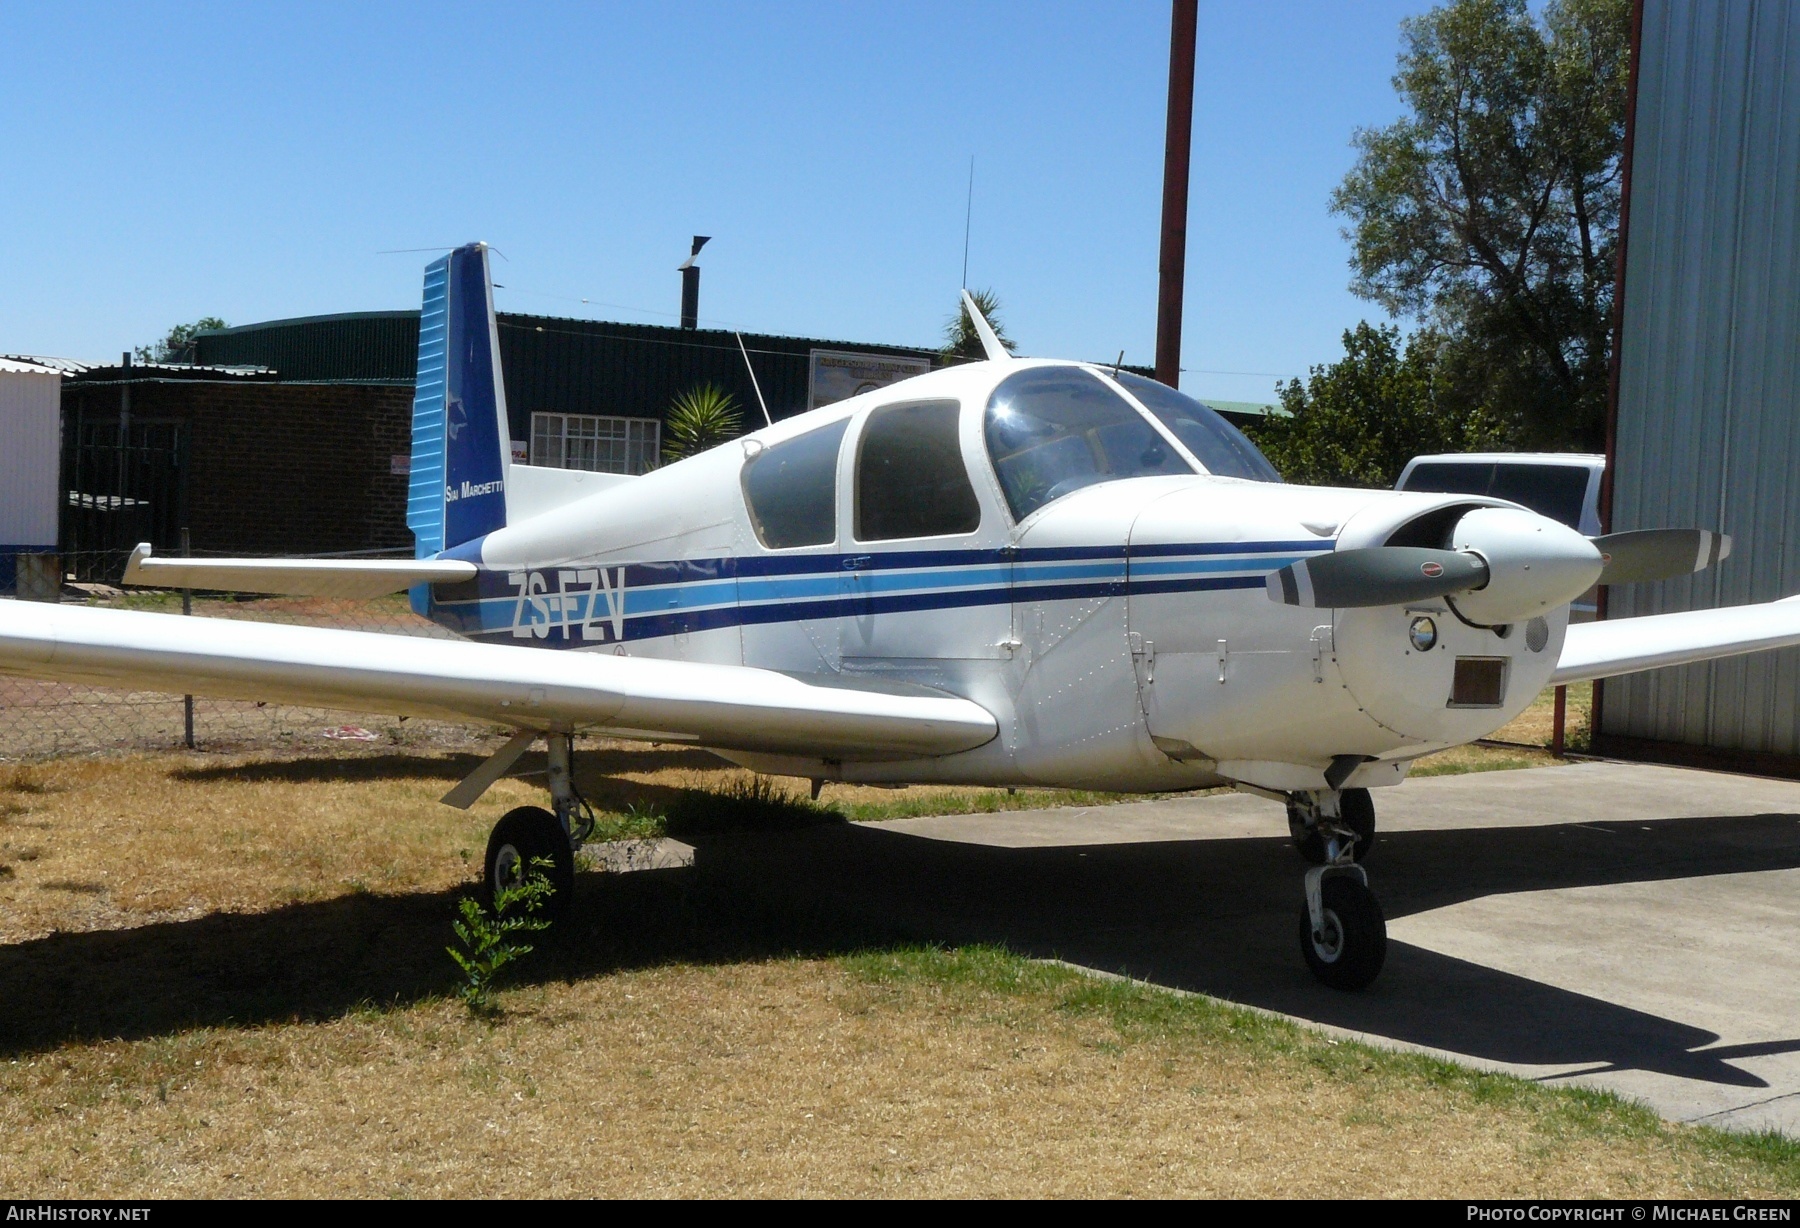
pixel 351 579
pixel 1626 645
pixel 732 707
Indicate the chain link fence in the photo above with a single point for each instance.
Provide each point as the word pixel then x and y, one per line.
pixel 44 719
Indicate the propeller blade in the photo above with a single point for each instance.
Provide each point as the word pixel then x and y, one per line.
pixel 1659 554
pixel 1377 575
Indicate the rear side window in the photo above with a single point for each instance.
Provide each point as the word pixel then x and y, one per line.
pixel 791 489
pixel 1053 430
pixel 910 476
pixel 1556 491
pixel 1220 446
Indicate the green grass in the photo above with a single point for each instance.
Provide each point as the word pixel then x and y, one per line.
pixel 762 804
pixel 987 801
pixel 1140 1013
pixel 1495 763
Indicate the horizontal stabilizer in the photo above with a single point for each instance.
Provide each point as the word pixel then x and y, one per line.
pixel 1616 646
pixel 344 578
pixel 732 707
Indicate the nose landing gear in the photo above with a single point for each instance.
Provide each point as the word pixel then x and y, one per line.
pixel 1309 814
pixel 1343 934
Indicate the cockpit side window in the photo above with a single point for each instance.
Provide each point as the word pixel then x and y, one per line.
pixel 1053 430
pixel 1217 444
pixel 791 489
pixel 910 476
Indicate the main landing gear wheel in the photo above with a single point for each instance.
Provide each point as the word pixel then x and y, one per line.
pixel 1356 810
pixel 1349 945
pixel 521 837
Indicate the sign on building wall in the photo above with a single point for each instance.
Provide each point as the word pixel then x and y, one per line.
pixel 836 375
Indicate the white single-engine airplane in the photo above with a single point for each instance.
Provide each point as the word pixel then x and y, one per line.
pixel 1011 572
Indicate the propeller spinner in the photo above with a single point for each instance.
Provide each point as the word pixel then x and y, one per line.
pixel 1503 564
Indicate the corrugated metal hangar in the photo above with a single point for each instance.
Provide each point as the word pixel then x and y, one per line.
pixel 1708 405
pixel 307 421
pixel 610 375
pixel 30 396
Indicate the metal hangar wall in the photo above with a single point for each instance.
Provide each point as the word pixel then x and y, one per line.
pixel 1708 417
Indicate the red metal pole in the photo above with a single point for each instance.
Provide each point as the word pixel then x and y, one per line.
pixel 1609 477
pixel 1172 264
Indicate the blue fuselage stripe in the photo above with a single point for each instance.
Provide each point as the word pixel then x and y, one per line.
pixel 576 605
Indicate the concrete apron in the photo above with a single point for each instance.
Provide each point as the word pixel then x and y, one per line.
pixel 1623 926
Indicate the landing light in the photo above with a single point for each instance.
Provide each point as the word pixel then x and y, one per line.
pixel 1423 634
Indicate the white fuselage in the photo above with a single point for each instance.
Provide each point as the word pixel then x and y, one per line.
pixel 1121 634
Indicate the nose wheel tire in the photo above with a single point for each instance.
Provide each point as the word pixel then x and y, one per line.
pixel 1356 810
pixel 521 837
pixel 1348 950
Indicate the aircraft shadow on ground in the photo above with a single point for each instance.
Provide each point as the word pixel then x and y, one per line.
pixel 317 961
pixel 1215 916
pixel 1222 917
pixel 594 763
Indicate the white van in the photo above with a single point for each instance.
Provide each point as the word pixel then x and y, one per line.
pixel 1564 486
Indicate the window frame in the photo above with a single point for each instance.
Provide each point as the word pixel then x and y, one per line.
pixel 763 448
pixel 853 478
pixel 541 418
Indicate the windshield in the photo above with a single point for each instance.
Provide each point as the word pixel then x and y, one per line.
pixel 1053 430
pixel 1218 445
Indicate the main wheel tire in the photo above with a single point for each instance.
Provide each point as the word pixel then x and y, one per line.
pixel 1349 953
pixel 521 837
pixel 1357 811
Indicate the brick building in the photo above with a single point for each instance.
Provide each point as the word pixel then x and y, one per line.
pixel 246 462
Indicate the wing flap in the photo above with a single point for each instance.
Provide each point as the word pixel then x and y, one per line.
pixel 1616 646
pixel 729 706
pixel 350 579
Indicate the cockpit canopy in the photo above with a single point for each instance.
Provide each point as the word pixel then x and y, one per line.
pixel 1053 430
pixel 1049 430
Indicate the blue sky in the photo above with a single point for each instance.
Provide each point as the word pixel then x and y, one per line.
pixel 251 161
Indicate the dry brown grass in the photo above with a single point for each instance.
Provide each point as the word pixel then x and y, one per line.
pixel 192 946
pixel 103 842
pixel 806 1077
pixel 1533 726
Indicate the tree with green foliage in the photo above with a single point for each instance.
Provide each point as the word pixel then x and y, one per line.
pixel 961 342
pixel 703 417
pixel 1357 421
pixel 178 346
pixel 1490 211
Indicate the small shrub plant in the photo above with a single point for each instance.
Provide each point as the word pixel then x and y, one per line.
pixel 488 938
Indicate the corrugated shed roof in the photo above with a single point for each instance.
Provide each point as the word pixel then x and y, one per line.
pixel 59 366
pixel 166 372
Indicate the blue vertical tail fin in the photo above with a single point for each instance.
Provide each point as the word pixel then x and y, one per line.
pixel 461 446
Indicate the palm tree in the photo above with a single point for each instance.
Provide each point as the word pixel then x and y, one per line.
pixel 961 342
pixel 703 417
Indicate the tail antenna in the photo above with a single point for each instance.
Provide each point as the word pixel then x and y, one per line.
pixel 990 342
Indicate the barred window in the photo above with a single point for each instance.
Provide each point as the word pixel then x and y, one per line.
pixel 601 445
